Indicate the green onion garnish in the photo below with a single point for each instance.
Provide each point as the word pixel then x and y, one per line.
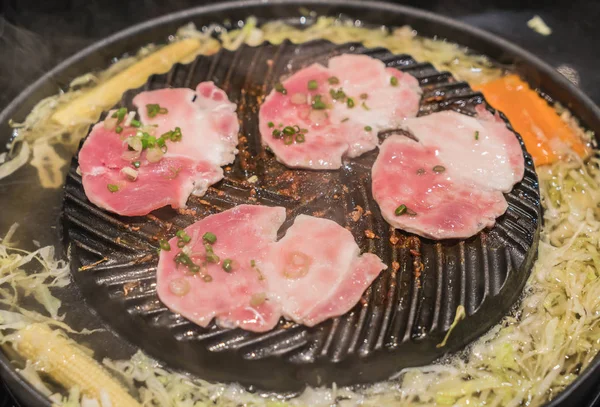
pixel 368 128
pixel 364 106
pixel 271 125
pixel 207 278
pixel 364 96
pixel 288 139
pixel 120 114
pixel 318 104
pixel 112 187
pixel 345 119
pixel 135 123
pixel 164 245
pixel 288 130
pixel 276 133
pixel 209 237
pixel 279 88
pixel 300 138
pixel 252 263
pixel 439 169
pixel 337 94
pixel 477 135
pixel 394 81
pixel 350 103
pixel 118 129
pixel 212 258
pixel 183 236
pixel 155 109
pixel 312 84
pixel 227 265
pixel 333 80
pixel 136 164
pixel 401 210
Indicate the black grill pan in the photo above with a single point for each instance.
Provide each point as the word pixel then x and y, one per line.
pixel 400 319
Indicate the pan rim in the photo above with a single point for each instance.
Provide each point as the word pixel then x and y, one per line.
pixel 8 371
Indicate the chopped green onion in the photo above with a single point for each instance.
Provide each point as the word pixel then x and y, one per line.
pixel 345 119
pixel 401 210
pixel 337 94
pixel 288 139
pixel 207 278
pixel 279 88
pixel 288 130
pixel 212 258
pixel 176 135
pixel 312 84
pixel 368 128
pixel 276 133
pixel 155 109
pixel 364 106
pixel 333 80
pixel 182 258
pixel 112 187
pixel 439 169
pixel 118 129
pixel 394 81
pixel 299 138
pixel 227 265
pixel 209 237
pixel 164 245
pixel 136 164
pixel 271 125
pixel 318 104
pixel 120 114
pixel 364 96
pixel 136 123
pixel 350 103
pixel 183 236
pixel 477 135
pixel 252 263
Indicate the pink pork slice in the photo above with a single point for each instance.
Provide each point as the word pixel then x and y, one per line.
pixel 209 129
pixel 452 180
pixel 239 298
pixel 314 273
pixel 381 98
pixel 317 271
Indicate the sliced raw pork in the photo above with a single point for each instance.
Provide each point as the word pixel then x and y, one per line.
pixel 449 183
pixel 129 179
pixel 239 297
pixel 317 272
pixel 319 114
pixel 314 273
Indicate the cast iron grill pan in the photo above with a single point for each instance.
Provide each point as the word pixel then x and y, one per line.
pixel 400 319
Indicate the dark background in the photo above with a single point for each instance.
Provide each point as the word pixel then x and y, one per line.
pixel 35 35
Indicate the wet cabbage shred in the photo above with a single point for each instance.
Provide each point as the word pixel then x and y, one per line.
pixel 526 360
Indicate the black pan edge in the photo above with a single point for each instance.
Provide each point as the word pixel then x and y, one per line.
pixel 538 73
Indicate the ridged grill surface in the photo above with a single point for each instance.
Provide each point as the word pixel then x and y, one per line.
pixel 400 319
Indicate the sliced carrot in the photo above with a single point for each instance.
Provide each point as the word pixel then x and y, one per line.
pixel 545 134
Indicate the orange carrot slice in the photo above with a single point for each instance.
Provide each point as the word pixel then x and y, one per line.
pixel 546 136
